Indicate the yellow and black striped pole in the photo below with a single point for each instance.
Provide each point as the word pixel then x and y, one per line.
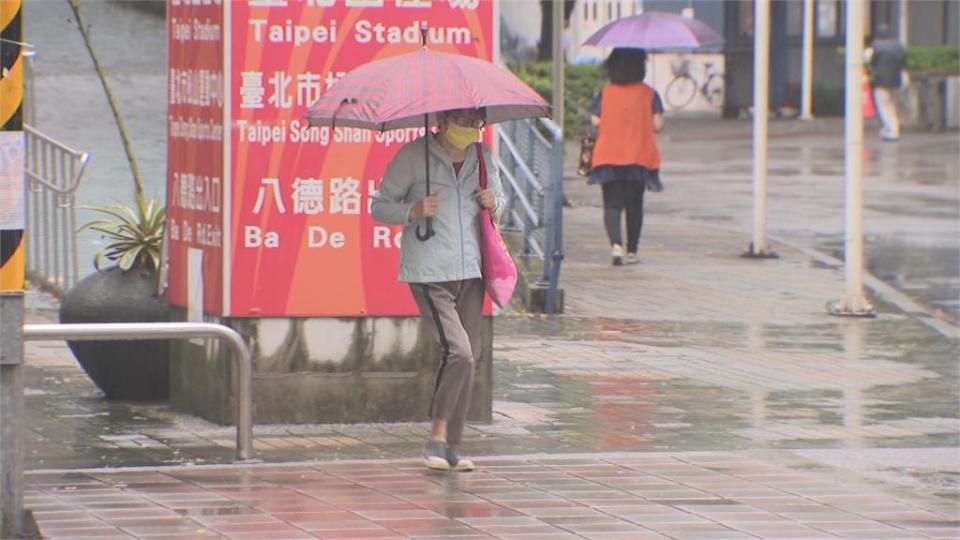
pixel 14 521
pixel 12 259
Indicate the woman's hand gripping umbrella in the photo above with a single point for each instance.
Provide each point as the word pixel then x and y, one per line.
pixel 409 90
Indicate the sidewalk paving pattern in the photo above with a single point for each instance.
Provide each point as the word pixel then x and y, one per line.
pixel 696 395
pixel 696 495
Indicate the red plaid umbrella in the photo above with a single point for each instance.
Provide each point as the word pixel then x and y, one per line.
pixel 397 92
pixel 408 90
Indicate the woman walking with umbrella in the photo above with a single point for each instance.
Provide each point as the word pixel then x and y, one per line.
pixel 626 157
pixel 445 272
pixel 440 188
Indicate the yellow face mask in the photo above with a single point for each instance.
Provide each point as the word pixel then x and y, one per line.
pixel 461 137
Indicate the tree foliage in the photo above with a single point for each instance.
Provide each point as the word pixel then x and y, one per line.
pixel 545 48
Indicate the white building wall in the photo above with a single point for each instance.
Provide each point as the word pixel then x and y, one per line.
pixel 588 17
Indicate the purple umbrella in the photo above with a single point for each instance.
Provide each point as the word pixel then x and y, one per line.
pixel 656 30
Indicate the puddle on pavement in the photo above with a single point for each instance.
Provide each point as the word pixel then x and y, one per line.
pixel 928 274
pixel 785 171
pixel 567 384
pixel 846 383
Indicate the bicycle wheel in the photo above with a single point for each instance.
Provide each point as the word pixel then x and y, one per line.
pixel 713 90
pixel 680 91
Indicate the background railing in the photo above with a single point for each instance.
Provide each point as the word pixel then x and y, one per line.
pixel 53 172
pixel 531 168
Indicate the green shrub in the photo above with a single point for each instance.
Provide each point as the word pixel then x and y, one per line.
pixel 939 60
pixel 581 82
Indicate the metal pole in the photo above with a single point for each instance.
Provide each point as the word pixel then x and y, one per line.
pixel 139 331
pixel 11 414
pixel 904 23
pixel 905 36
pixel 14 521
pixel 806 86
pixel 854 303
pixel 761 106
pixel 558 110
pixel 553 250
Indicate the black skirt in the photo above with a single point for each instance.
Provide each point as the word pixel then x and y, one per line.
pixel 608 173
pixel 623 185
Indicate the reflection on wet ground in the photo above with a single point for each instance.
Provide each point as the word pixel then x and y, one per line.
pixel 833 383
pixel 693 349
pixel 651 496
pixel 584 385
pixel 911 197
pixel 930 274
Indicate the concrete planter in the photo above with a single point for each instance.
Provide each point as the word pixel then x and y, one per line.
pixel 930 101
pixel 323 370
pixel 123 370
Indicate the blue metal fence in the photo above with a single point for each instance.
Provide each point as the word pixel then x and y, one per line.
pixel 531 167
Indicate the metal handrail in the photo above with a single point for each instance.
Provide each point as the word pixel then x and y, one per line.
pixel 522 166
pixel 83 158
pixel 531 166
pixel 52 172
pixel 516 192
pixel 141 331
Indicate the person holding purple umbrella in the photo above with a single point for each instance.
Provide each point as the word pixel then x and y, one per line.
pixel 444 269
pixel 626 158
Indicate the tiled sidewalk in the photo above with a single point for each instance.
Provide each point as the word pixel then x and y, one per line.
pixel 810 426
pixel 687 496
pixel 692 349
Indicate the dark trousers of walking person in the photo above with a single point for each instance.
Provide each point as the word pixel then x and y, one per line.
pixel 620 195
pixel 453 310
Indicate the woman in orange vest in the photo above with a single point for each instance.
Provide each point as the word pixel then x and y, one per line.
pixel 626 158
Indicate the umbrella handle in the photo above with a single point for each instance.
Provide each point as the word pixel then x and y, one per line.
pixel 424 236
pixel 429 233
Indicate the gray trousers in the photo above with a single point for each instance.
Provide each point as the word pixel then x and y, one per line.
pixel 886 102
pixel 454 310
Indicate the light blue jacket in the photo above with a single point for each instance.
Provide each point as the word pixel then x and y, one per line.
pixel 454 253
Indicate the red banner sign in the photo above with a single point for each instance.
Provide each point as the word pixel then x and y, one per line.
pixel 195 150
pixel 299 239
pixel 303 241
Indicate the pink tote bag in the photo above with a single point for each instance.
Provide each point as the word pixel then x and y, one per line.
pixel 499 270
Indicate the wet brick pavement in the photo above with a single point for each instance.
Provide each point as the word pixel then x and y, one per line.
pixel 696 394
pixel 690 496
pixel 693 348
pixel 693 395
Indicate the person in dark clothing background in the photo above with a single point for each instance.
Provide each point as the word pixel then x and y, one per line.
pixel 626 158
pixel 886 57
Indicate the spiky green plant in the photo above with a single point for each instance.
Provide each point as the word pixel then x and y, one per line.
pixel 135 235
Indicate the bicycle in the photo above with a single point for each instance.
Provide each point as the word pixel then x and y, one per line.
pixel 683 87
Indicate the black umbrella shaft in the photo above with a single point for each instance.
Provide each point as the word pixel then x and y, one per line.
pixel 426 148
pixel 426 161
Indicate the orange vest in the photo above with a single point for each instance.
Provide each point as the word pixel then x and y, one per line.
pixel 625 135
